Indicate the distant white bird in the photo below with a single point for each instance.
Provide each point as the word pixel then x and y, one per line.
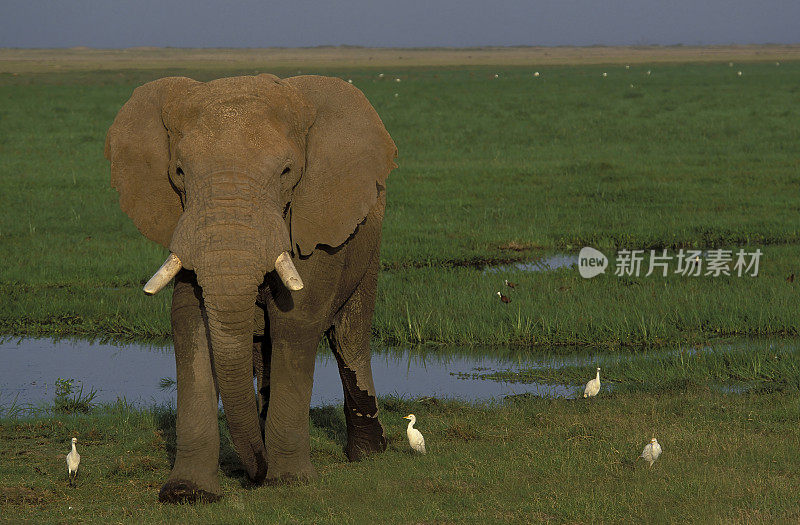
pixel 349 80
pixel 496 75
pixel 536 74
pixel 380 75
pixel 651 452
pixel 397 80
pixel 627 67
pixel 605 74
pixel 415 438
pixel 593 386
pixel 739 73
pixel 648 72
pixel 73 460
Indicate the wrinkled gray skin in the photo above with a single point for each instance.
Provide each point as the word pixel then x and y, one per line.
pixel 228 174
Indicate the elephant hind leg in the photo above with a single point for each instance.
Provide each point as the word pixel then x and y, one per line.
pixel 350 340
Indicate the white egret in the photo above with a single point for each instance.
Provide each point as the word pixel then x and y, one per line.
pixel 651 452
pixel 593 386
pixel 73 460
pixel 605 74
pixel 536 74
pixel 739 73
pixel 415 438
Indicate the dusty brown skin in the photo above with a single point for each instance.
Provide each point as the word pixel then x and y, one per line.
pixel 228 174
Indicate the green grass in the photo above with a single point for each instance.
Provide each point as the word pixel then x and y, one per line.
pixel 491 170
pixel 768 365
pixel 727 458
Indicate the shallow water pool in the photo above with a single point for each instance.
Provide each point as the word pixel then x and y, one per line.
pixel 135 372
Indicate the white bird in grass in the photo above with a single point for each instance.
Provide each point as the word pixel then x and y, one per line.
pixel 73 460
pixel 415 438
pixel 593 386
pixel 651 452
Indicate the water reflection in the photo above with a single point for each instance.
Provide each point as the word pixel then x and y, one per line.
pixel 544 264
pixel 134 372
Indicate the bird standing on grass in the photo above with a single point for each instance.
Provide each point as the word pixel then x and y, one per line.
pixel 503 298
pixel 651 452
pixel 415 438
pixel 73 460
pixel 510 284
pixel 593 386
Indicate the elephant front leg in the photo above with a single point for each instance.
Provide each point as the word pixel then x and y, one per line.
pixel 294 348
pixel 194 475
pixel 350 341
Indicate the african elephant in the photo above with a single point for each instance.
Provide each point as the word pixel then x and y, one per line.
pixel 269 194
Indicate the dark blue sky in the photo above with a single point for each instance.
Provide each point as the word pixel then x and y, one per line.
pixel 394 23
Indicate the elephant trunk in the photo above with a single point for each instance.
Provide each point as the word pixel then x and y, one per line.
pixel 230 266
pixel 230 307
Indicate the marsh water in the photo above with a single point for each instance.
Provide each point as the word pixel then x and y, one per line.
pixel 543 264
pixel 135 372
pixel 138 372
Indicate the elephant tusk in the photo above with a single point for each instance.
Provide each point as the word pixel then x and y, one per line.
pixel 164 275
pixel 287 272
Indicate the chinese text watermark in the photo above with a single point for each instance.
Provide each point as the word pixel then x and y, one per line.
pixel 688 263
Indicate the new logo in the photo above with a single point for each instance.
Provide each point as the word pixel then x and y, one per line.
pixel 591 262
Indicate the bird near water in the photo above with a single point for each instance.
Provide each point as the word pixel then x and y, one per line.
pixel 651 452
pixel 415 438
pixel 593 386
pixel 73 460
pixel 503 298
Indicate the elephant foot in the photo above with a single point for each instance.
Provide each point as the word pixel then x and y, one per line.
pixel 183 491
pixel 365 439
pixel 357 449
pixel 305 475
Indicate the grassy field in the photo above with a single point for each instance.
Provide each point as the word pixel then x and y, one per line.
pixel 492 170
pixel 497 166
pixel 727 458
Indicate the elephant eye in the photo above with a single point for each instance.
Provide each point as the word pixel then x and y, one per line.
pixel 286 170
pixel 178 180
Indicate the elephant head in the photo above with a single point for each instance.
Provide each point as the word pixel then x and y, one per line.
pixel 234 176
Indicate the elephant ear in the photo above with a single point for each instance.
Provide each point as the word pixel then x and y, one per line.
pixel 137 145
pixel 349 154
